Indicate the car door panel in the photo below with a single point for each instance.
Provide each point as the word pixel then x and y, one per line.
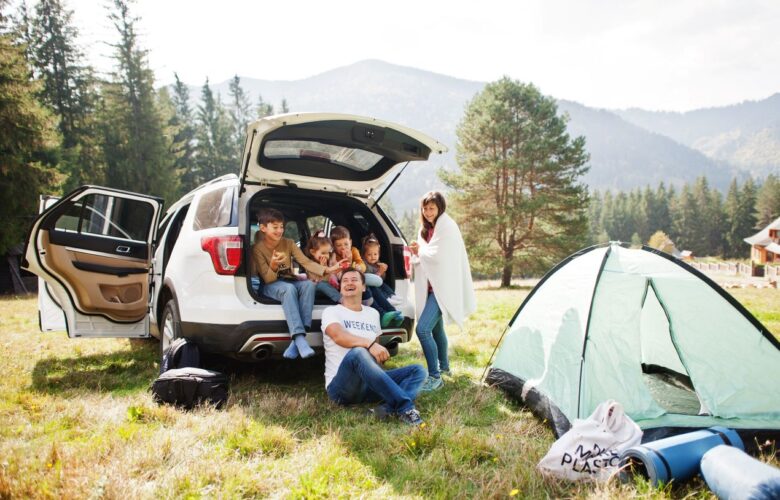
pixel 93 248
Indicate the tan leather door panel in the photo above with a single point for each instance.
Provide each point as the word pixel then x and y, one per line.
pixel 117 288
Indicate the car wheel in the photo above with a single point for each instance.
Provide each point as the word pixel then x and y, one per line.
pixel 169 326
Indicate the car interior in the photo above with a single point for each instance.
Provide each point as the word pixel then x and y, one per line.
pixel 307 212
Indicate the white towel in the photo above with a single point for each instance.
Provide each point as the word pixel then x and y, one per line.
pixel 443 261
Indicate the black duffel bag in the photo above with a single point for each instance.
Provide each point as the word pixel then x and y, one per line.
pixel 189 387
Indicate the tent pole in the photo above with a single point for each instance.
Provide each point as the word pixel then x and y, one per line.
pixel 484 372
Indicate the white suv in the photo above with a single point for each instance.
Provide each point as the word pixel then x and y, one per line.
pixel 116 273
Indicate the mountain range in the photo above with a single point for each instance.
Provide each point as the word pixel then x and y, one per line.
pixel 628 148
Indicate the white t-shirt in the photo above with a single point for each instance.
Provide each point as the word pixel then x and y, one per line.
pixel 364 323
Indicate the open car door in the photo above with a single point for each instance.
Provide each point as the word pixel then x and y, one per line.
pixel 51 318
pixel 93 249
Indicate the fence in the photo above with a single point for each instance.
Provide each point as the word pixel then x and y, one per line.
pixel 738 269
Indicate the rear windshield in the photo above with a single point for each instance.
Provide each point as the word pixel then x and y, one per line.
pixel 355 159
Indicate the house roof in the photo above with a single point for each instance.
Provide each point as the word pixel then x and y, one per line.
pixel 762 238
pixel 774 248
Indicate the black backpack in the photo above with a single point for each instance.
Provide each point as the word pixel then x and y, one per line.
pixel 189 387
pixel 180 354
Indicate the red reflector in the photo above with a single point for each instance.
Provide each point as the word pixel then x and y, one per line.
pixel 408 261
pixel 225 252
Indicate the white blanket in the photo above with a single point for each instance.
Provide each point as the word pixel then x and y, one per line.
pixel 444 263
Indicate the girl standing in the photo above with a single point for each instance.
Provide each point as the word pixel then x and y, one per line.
pixel 443 287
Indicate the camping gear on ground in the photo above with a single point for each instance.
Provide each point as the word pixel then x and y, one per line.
pixel 190 387
pixel 674 458
pixel 734 475
pixel 180 354
pixel 591 448
pixel 641 327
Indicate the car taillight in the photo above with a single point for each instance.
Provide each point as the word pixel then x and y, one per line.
pixel 225 252
pixel 408 261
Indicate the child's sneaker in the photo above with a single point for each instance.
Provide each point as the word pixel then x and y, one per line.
pixel 389 319
pixel 432 384
pixel 411 417
pixel 395 300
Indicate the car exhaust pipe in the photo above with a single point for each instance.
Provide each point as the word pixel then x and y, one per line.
pixel 393 343
pixel 263 351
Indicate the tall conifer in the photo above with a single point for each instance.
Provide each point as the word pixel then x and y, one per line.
pixel 28 141
pixel 136 141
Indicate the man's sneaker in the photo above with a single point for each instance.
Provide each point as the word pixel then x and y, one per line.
pixel 432 384
pixel 411 417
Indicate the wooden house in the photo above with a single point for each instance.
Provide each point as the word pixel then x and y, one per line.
pixel 765 245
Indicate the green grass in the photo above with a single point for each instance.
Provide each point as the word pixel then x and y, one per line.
pixel 77 420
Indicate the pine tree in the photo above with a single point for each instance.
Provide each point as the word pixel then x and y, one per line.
pixel 409 224
pixel 657 203
pixel 595 207
pixel 69 90
pixel 182 125
pixel 263 108
pixel 607 217
pixel 214 140
pixel 28 142
pixel 284 108
pixel 518 187
pixel 685 220
pixel 136 141
pixel 740 220
pixel 240 111
pixel 768 201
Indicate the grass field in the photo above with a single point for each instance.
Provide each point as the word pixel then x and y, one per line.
pixel 77 421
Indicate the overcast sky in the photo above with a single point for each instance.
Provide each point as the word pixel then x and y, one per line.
pixel 662 55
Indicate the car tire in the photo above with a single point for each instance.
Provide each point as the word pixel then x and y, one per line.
pixel 170 325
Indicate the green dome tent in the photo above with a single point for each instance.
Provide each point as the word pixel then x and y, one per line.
pixel 645 329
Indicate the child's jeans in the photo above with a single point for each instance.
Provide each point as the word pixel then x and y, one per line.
pixel 373 280
pixel 380 300
pixel 327 290
pixel 297 298
pixel 376 281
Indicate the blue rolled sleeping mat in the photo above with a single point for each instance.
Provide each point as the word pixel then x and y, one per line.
pixel 674 458
pixel 734 475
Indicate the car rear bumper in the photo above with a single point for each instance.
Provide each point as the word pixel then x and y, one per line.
pixel 258 340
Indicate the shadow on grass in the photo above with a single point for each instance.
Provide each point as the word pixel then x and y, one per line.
pixel 117 372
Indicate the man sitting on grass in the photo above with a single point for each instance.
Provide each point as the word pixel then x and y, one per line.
pixel 353 358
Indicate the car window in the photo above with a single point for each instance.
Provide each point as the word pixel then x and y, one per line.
pixel 104 215
pixel 215 209
pixel 319 222
pixel 352 158
pixel 292 231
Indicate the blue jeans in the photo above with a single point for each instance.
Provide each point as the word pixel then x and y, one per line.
pixel 327 290
pixel 297 298
pixel 360 379
pixel 389 292
pixel 380 300
pixel 373 279
pixel 376 281
pixel 433 339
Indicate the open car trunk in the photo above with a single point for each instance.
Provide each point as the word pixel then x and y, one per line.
pixel 306 212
